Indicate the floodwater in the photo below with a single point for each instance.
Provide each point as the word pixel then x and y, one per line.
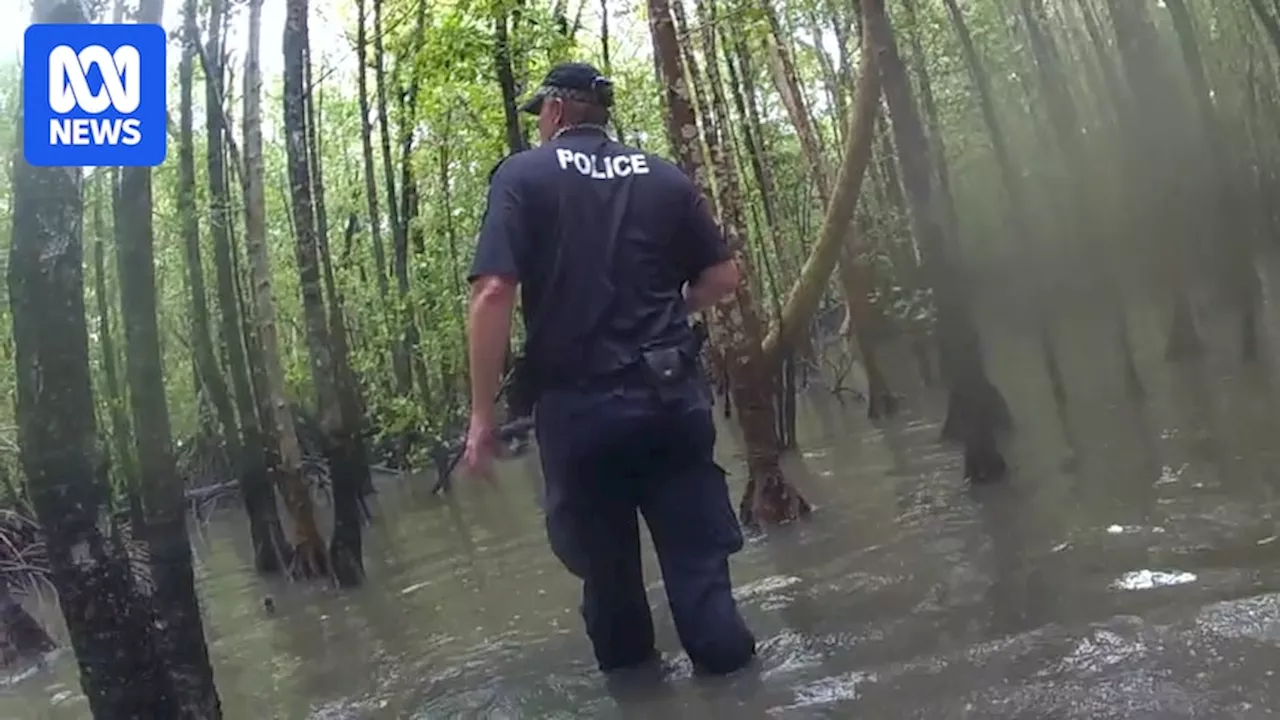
pixel 1127 570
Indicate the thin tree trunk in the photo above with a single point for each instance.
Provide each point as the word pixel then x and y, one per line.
pixel 399 239
pixel 207 368
pixel 120 431
pixel 1240 276
pixel 455 258
pixel 1019 216
pixel 370 178
pixel 1078 219
pixel 409 202
pixel 744 98
pixel 607 60
pixel 351 448
pixel 265 530
pixel 179 630
pixel 343 449
pixel 786 80
pixel 806 295
pixel 256 492
pixel 1268 21
pixel 857 280
pixel 831 78
pixel 309 554
pixel 977 410
pixel 507 81
pixel 941 166
pixel 1154 142
pixel 769 498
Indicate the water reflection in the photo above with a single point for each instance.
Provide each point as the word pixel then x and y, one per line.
pixel 1126 570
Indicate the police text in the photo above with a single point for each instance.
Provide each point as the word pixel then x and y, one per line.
pixel 603 167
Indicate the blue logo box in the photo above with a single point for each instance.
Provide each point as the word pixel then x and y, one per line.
pixel 94 95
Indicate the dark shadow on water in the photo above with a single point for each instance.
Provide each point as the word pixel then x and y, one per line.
pixel 1016 597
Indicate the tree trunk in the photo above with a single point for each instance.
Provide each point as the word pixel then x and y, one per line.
pixel 1120 101
pixel 400 351
pixel 1240 276
pixel 743 94
pixel 370 178
pixel 120 431
pixel 309 555
pixel 1269 22
pixel 259 499
pixel 606 58
pixel 806 294
pixel 831 78
pixel 937 145
pixel 1077 220
pixel 348 566
pixel 366 141
pixel 179 631
pixel 456 268
pixel 409 201
pixel 1019 216
pixel 716 123
pixel 768 186
pixel 769 498
pixel 57 437
pixel 786 79
pixel 207 367
pixel 1155 141
pixel 349 486
pixel 977 410
pixel 507 81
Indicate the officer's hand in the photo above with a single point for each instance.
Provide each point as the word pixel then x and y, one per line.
pixel 481 443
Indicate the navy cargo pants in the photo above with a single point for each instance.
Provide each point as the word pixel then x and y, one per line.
pixel 608 453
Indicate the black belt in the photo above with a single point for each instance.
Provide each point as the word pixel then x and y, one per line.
pixel 631 375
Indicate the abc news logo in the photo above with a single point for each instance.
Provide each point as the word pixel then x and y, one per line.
pixel 69 89
pixel 94 95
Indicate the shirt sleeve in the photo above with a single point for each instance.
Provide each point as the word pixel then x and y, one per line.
pixel 502 231
pixel 703 242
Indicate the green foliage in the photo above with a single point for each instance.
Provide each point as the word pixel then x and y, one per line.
pixel 458 134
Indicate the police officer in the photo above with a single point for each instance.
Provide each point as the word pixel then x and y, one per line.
pixel 612 249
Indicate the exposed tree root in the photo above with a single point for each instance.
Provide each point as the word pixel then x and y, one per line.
pixel 20 634
pixel 771 500
pixel 881 404
pixel 983 462
pixel 975 410
pixel 975 418
pixel 310 562
pixel 348 463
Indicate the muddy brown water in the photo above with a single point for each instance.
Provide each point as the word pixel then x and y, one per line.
pixel 1129 569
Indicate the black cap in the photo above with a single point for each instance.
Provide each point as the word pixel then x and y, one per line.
pixel 572 81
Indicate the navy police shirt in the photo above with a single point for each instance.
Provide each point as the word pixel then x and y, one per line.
pixel 621 230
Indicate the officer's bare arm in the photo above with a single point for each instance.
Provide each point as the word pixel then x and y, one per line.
pixel 492 299
pixel 712 285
